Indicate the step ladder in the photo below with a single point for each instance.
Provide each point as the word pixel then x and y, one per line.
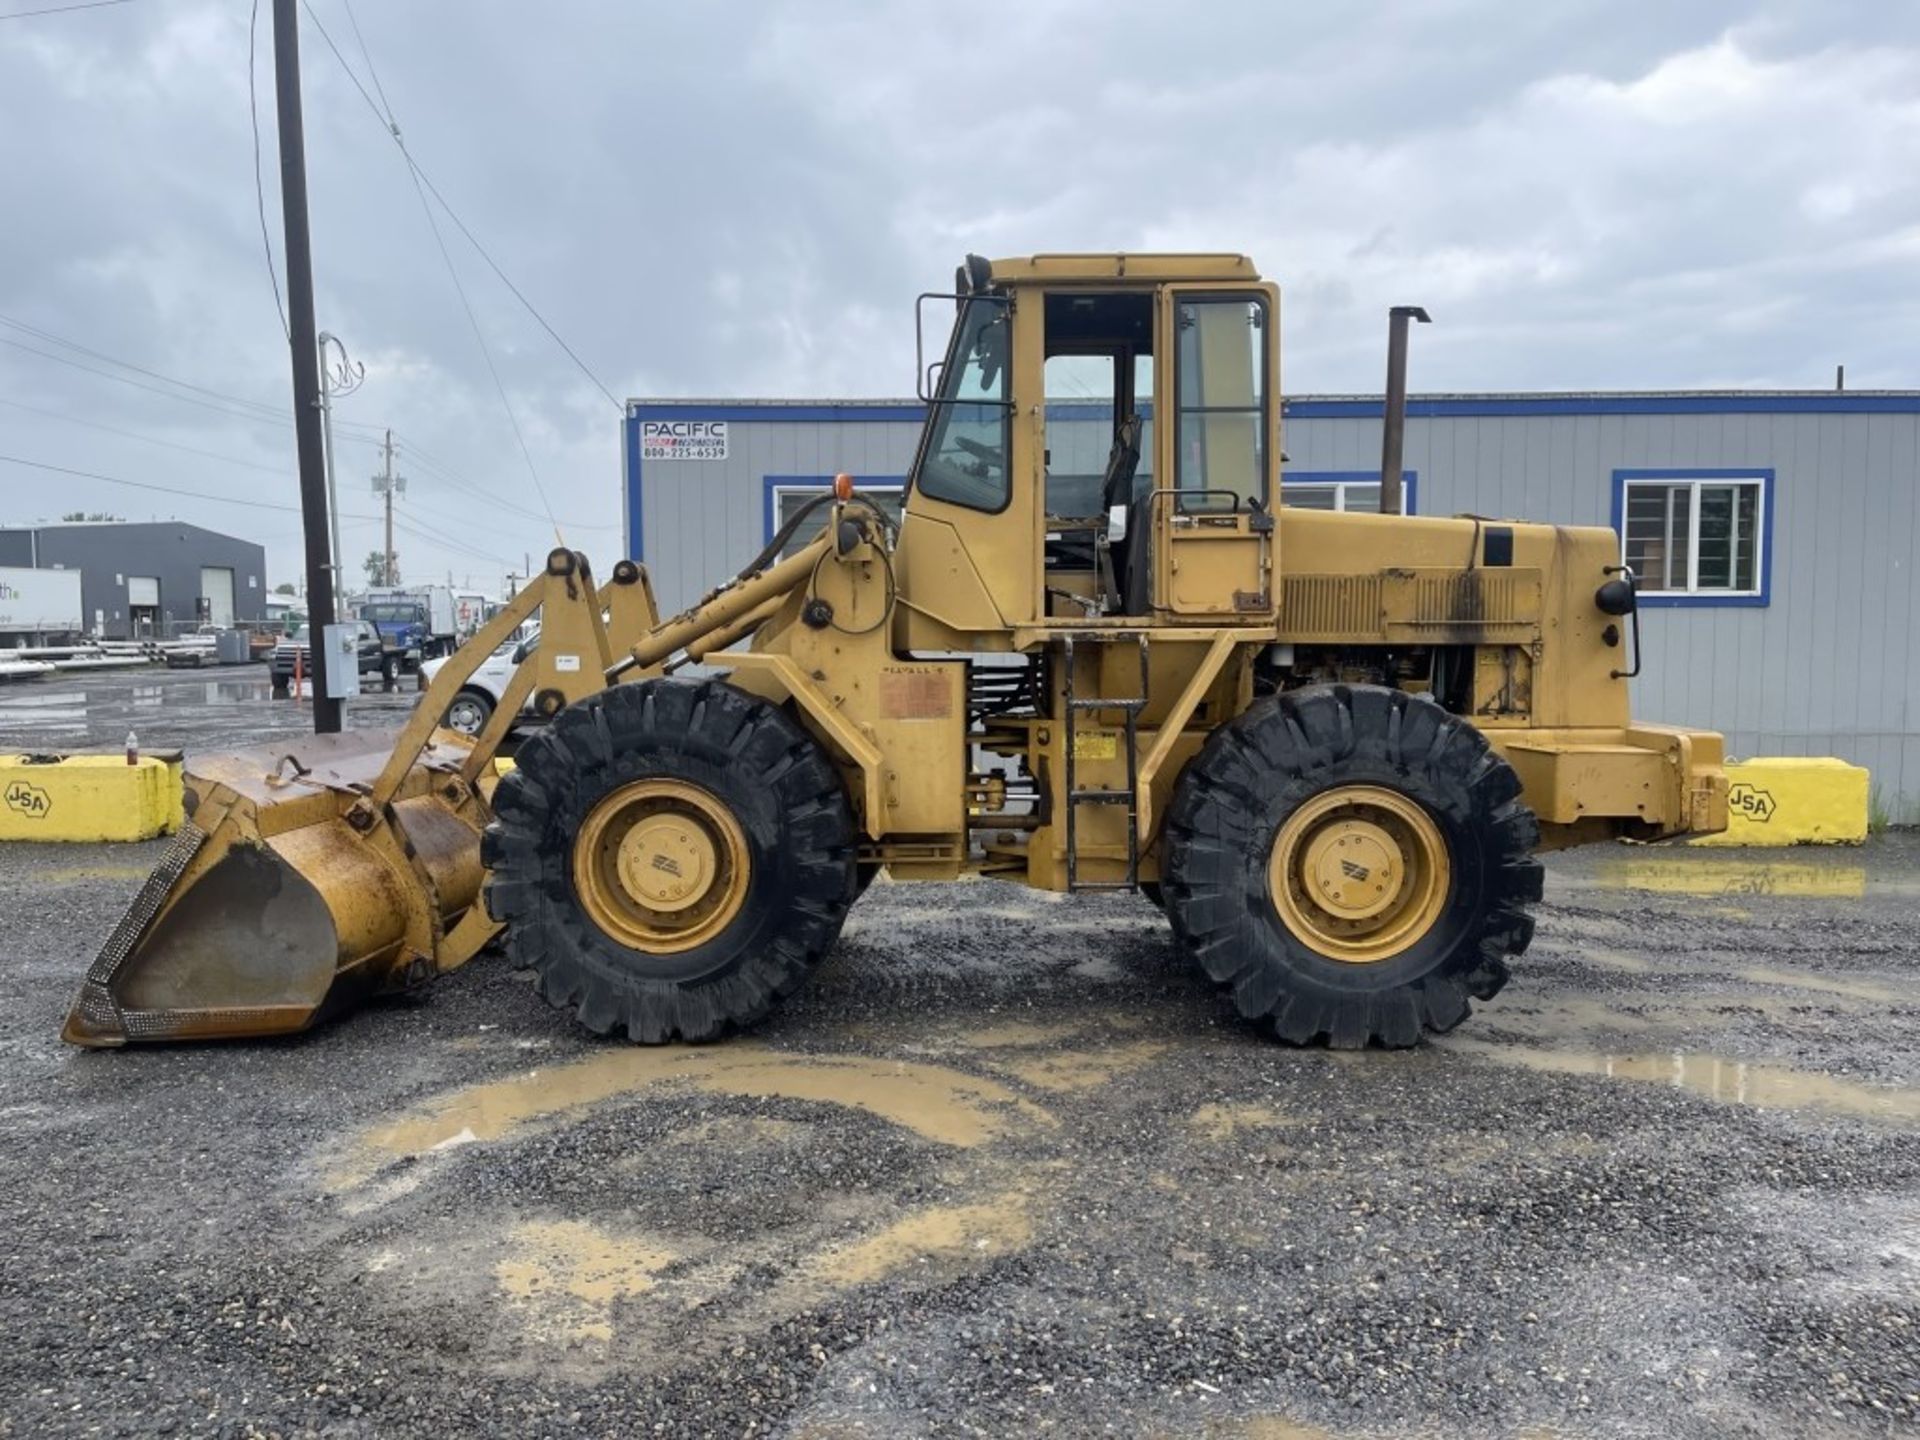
pixel 1130 708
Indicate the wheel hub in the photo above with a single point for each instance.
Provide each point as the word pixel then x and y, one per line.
pixel 1354 868
pixel 667 862
pixel 661 865
pixel 1359 873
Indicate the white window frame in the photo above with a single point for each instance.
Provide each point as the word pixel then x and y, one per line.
pixel 811 491
pixel 1339 489
pixel 1340 482
pixel 1694 484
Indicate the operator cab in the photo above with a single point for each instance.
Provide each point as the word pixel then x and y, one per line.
pixel 1043 457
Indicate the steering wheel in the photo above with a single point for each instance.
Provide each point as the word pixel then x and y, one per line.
pixel 977 450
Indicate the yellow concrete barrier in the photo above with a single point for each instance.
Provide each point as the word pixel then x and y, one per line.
pixel 1794 800
pixel 89 797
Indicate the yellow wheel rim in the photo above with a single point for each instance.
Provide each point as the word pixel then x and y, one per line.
pixel 661 865
pixel 1359 873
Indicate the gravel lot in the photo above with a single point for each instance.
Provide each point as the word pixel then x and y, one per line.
pixel 1007 1165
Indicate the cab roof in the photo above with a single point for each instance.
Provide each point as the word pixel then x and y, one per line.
pixel 1108 267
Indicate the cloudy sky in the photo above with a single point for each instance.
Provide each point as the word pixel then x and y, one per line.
pixel 744 200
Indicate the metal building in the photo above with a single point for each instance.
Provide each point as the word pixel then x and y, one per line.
pixel 1773 532
pixel 141 578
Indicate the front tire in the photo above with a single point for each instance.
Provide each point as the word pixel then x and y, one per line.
pixel 671 858
pixel 469 712
pixel 1352 863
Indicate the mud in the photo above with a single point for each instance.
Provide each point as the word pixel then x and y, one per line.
pixel 1005 1166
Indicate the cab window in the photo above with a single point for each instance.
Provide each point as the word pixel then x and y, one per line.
pixel 964 461
pixel 1220 380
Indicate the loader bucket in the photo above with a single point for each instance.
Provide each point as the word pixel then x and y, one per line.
pixel 289 895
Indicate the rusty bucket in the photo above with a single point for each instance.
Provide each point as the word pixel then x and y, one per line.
pixel 291 894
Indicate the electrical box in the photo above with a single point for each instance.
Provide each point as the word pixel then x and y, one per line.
pixel 340 661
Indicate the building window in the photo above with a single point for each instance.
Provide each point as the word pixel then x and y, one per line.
pixel 787 494
pixel 1357 490
pixel 1695 536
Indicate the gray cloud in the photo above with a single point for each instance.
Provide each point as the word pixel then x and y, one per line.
pixel 744 200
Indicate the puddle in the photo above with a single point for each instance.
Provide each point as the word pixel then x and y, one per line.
pixel 231 692
pixel 1851 989
pixel 996 1226
pixel 1580 1017
pixel 1732 1082
pixel 1015 1035
pixel 1073 1071
pixel 569 1274
pixel 1733 877
pixel 937 1103
pixel 1269 1427
pixel 1221 1122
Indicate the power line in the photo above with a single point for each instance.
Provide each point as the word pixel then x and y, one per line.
pixel 432 538
pixel 259 186
pixel 147 439
pixel 486 353
pixel 367 55
pixel 271 411
pixel 49 337
pixel 63 9
pixel 261 415
pixel 384 113
pixel 453 274
pixel 454 517
pixel 440 470
pixel 158 489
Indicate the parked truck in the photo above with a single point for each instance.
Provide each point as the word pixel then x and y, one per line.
pixel 423 622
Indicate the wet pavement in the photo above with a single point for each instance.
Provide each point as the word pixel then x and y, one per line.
pixel 1005 1166
pixel 214 708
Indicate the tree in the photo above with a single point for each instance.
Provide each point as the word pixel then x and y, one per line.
pixel 85 515
pixel 376 568
pixel 285 587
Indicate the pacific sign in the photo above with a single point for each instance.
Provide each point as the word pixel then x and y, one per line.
pixel 683 439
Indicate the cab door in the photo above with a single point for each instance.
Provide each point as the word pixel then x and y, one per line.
pixel 1217 438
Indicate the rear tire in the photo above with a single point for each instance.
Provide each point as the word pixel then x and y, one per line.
pixel 1392 774
pixel 748 806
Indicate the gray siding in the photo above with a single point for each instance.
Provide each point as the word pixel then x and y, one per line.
pixel 170 551
pixel 1827 667
pixel 701 520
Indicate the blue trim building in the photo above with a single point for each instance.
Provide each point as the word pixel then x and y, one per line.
pixel 1783 525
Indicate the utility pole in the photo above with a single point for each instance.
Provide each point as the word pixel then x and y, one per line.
pixel 337 377
pixel 386 483
pixel 305 345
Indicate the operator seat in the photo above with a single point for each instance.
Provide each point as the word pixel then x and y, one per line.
pixel 1116 488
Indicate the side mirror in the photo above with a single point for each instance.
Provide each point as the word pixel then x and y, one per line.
pixel 1116 524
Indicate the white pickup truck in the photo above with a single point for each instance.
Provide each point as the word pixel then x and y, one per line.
pixel 469 711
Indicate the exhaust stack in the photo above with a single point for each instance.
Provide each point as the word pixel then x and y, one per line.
pixel 1393 432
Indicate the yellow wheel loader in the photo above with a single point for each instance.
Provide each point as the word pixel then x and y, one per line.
pixel 1328 745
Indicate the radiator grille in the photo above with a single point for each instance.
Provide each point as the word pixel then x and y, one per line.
pixel 1332 605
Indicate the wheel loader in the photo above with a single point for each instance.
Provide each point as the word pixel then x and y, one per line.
pixel 1327 745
